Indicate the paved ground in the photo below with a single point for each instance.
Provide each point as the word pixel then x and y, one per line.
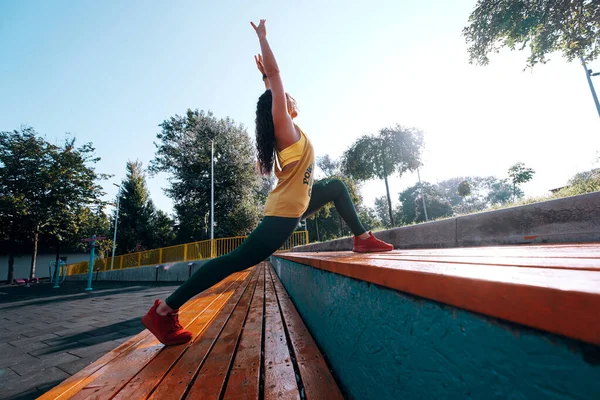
pixel 48 334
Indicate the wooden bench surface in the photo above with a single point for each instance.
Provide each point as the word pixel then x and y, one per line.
pixel 249 343
pixel 555 288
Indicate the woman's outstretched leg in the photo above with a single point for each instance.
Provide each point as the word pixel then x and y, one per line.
pixel 269 236
pixel 335 190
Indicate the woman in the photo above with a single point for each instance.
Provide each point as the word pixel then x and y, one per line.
pixel 294 198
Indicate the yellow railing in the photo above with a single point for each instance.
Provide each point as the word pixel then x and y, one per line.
pixel 183 252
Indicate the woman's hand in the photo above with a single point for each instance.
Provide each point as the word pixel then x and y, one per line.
pixel 261 29
pixel 259 64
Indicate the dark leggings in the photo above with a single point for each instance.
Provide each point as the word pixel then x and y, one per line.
pixel 268 236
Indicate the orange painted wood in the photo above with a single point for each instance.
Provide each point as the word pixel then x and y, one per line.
pixel 210 381
pixel 150 375
pixel 317 380
pixel 136 348
pixel 589 264
pixel 560 301
pixel 244 379
pixel 588 250
pixel 224 358
pixel 280 377
pixel 74 383
pixel 179 377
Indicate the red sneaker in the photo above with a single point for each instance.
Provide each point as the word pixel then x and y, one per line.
pixel 166 328
pixel 370 245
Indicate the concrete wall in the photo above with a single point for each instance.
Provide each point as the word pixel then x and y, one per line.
pixel 23 264
pixel 571 219
pixel 173 272
pixel 383 344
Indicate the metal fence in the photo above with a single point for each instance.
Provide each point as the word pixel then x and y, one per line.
pixel 183 252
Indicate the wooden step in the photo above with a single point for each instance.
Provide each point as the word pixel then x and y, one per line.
pixel 554 288
pixel 249 343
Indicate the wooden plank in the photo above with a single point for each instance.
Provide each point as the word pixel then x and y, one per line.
pixel 178 379
pixel 210 381
pixel 141 378
pixel 588 264
pixel 244 379
pixel 280 377
pixel 74 383
pixel 564 302
pixel 317 380
pixel 590 251
pixel 140 345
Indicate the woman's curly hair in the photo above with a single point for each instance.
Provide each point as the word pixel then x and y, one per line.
pixel 265 133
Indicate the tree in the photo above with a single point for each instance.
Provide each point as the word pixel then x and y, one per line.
pixel 382 212
pixel 162 229
pixel 412 203
pixel 23 155
pixel 518 174
pixel 43 187
pixel 368 217
pixel 500 191
pixel 74 188
pixel 464 189
pixel 184 152
pixel 582 182
pixel 546 26
pixel 136 211
pixel 393 150
pixel 474 188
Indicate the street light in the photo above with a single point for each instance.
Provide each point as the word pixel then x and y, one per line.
pixel 422 195
pixel 212 195
pixel 112 259
pixel 588 75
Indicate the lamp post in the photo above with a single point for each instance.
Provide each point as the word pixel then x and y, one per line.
pixel 588 75
pixel 112 259
pixel 422 195
pixel 212 196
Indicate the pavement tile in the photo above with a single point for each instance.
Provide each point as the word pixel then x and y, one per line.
pixel 73 367
pixel 34 342
pixel 14 360
pixel 27 383
pixel 43 362
pixel 48 334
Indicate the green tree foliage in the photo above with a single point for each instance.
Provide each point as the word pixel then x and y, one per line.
pixel 393 150
pixel 23 157
pixel 184 151
pixel 412 203
pixel 44 188
pixel 382 212
pixel 73 189
pixel 136 212
pixel 545 26
pixel 581 183
pixel 474 188
pixel 464 189
pixel 368 217
pixel 500 191
pixel 163 231
pixel 519 174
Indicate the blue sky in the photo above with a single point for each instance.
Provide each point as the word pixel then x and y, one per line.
pixel 110 72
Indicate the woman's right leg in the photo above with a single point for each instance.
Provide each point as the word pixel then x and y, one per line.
pixel 269 236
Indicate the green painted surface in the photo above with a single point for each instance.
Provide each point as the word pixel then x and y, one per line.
pixel 383 344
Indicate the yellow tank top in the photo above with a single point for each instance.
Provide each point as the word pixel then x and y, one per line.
pixel 291 196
